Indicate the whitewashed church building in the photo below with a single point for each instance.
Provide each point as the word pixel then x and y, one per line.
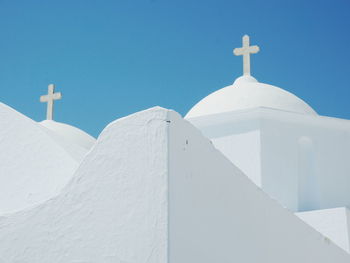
pixel 251 174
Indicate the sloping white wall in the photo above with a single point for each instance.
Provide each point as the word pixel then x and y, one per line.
pixel 305 160
pixel 33 166
pixel 154 190
pixel 238 137
pixel 300 160
pixel 244 151
pixel 114 209
pixel 216 214
pixel 333 223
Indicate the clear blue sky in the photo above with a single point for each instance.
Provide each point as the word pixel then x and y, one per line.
pixel 113 58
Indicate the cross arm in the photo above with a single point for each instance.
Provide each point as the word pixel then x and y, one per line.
pixel 43 98
pixel 57 96
pixel 254 49
pixel 238 51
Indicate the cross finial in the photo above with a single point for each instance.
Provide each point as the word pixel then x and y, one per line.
pixel 245 51
pixel 49 98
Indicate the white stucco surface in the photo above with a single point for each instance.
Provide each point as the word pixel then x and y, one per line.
pixel 216 214
pixel 154 190
pixel 113 210
pixel 70 133
pixel 333 223
pixel 237 135
pixel 33 166
pixel 244 149
pixel 299 159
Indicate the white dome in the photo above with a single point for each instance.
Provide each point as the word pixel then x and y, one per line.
pixel 70 133
pixel 246 93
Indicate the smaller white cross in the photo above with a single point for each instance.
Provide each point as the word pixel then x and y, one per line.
pixel 245 51
pixel 49 98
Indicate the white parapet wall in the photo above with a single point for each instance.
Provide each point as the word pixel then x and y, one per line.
pixel 300 160
pixel 217 214
pixel 34 165
pixel 333 223
pixel 154 190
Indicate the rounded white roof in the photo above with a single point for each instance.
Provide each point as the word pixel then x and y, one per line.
pixel 70 133
pixel 246 93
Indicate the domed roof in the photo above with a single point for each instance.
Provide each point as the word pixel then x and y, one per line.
pixel 70 133
pixel 246 93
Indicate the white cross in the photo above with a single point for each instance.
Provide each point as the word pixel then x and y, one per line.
pixel 245 51
pixel 49 98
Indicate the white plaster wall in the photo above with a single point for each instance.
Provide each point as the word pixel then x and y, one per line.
pixel 114 209
pixel 70 134
pixel 154 190
pixel 33 166
pixel 306 177
pixel 243 150
pixel 332 223
pixel 237 136
pixel 216 214
pixel 72 149
pixel 301 160
pixel 308 183
pixel 279 155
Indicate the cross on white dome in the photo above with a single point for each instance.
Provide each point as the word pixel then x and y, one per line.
pixel 245 51
pixel 49 98
pixel 247 93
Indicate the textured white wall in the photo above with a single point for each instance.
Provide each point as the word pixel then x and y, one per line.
pixel 243 150
pixel 237 136
pixel 216 214
pixel 114 209
pixel 300 160
pixel 333 223
pixel 154 190
pixel 305 162
pixel 33 166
